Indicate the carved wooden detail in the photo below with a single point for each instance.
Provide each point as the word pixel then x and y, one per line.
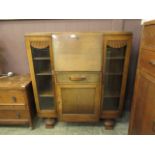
pixel 39 44
pixel 117 43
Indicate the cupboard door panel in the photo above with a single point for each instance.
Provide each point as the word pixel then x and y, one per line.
pixel 143 105
pixel 75 101
pixel 79 101
pixel 148 126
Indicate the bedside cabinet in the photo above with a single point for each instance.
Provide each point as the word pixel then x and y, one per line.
pixel 16 101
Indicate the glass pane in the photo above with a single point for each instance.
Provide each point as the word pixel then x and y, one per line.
pixel 42 69
pixel 112 85
pixel 111 103
pixel 116 52
pixel 46 103
pixel 40 52
pixel 114 65
pixel 113 77
pixel 44 89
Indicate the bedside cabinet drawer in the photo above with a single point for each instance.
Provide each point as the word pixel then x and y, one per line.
pixel 78 77
pixel 11 96
pixel 147 61
pixel 15 114
pixel 4 106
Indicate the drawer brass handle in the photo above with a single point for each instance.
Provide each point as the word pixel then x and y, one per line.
pixel 152 62
pixel 14 98
pixel 77 78
pixel 18 115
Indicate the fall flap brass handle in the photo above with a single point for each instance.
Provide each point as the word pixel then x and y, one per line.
pixel 152 62
pixel 14 98
pixel 74 36
pixel 153 126
pixel 77 78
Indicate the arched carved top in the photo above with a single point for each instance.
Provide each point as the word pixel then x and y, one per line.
pixel 117 43
pixel 39 44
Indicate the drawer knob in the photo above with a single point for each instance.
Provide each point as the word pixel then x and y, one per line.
pixel 152 62
pixel 77 78
pixel 17 114
pixel 14 98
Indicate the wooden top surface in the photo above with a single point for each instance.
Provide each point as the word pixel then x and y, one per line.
pixel 15 82
pixel 88 33
pixel 151 22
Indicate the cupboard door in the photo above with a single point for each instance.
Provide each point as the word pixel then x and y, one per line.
pixel 79 102
pixel 143 109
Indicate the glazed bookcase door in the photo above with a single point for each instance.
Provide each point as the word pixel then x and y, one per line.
pixel 79 102
pixel 115 76
pixel 41 67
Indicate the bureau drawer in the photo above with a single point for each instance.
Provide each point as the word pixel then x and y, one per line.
pixel 11 96
pixel 14 114
pixel 78 77
pixel 147 61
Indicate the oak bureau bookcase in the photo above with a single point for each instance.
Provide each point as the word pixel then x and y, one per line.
pixel 79 77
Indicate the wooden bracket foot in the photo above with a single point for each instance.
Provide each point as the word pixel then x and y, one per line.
pixel 109 124
pixel 49 122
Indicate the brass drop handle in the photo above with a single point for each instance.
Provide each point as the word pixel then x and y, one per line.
pixel 17 114
pixel 152 62
pixel 14 98
pixel 77 78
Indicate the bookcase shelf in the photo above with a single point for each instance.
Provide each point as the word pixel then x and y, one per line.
pixel 46 93
pixel 41 58
pixel 46 72
pixel 115 58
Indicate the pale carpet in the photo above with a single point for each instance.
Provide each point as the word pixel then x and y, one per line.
pixel 62 128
